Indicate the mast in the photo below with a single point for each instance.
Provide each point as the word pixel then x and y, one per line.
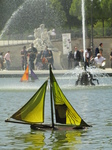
pixel 52 118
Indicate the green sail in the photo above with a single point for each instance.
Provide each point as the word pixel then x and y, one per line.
pixel 64 111
pixel 33 110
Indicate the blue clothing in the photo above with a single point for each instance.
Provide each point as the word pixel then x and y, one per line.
pixel 96 51
pixel 46 53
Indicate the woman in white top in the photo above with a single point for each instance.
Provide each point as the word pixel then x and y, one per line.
pixel 8 60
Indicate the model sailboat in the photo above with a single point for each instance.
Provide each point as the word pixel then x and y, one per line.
pixel 25 76
pixel 33 111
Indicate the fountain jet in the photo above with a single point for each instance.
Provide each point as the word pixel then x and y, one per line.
pixel 85 78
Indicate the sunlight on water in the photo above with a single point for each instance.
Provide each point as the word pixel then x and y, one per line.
pixel 67 81
pixel 92 103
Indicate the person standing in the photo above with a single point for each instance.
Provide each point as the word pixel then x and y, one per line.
pixel 70 59
pixel 88 56
pixel 1 61
pixel 38 63
pixel 46 52
pixel 82 58
pixel 45 58
pixel 51 59
pixel 77 57
pixel 111 58
pixel 8 60
pixel 32 55
pixel 99 50
pixel 24 58
pixel 96 51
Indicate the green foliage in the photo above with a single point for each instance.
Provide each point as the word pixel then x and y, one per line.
pixel 63 8
pixel 7 7
pixel 58 8
pixel 31 14
pixel 75 9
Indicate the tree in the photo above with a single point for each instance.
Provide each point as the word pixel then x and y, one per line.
pixel 30 15
pixel 104 7
pixel 7 7
pixel 56 5
pixel 98 8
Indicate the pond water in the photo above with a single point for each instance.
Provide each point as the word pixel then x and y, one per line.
pixel 93 103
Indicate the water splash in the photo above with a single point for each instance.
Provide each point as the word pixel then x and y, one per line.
pixel 83 26
pixel 8 23
pixel 72 75
pixel 30 15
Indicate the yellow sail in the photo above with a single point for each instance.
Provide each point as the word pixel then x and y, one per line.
pixel 33 110
pixel 64 112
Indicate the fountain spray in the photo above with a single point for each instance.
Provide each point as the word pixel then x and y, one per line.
pixel 83 30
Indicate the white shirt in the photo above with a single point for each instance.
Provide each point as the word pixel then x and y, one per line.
pixel 75 54
pixel 86 54
pixel 99 60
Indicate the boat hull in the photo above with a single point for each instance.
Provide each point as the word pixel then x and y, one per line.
pixel 44 127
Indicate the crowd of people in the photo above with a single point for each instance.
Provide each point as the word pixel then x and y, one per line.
pixel 87 58
pixel 36 60
pixel 40 60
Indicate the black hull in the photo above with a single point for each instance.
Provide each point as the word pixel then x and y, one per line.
pixel 44 127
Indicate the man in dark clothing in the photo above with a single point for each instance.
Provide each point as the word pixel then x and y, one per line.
pixel 96 51
pixel 24 58
pixel 70 59
pixel 99 49
pixel 46 52
pixel 45 58
pixel 1 61
pixel 88 56
pixel 77 57
pixel 32 55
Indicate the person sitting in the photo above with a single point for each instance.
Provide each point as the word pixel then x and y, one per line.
pixel 100 61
